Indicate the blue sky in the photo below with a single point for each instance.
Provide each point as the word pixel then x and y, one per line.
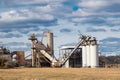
pixel 65 18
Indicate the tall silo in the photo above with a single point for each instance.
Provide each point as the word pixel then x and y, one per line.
pixel 84 56
pixel 50 43
pixel 94 54
pixel 88 55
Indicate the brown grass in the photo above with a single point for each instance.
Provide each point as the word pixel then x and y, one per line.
pixel 60 74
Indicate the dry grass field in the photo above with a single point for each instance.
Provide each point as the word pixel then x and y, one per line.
pixel 60 74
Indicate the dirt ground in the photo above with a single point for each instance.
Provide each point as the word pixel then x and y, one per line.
pixel 60 74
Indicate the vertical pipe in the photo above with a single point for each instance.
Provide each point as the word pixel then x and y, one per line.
pixel 84 56
pixel 37 60
pixel 50 43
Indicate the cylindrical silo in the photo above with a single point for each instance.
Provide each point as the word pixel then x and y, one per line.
pixel 94 56
pixel 50 43
pixel 94 53
pixel 88 55
pixel 84 56
pixel 20 58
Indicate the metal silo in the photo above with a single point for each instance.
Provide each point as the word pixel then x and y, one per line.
pixel 88 55
pixel 20 58
pixel 94 54
pixel 84 56
pixel 50 43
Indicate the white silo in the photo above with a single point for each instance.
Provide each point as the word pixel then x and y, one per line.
pixel 88 55
pixel 84 56
pixel 94 54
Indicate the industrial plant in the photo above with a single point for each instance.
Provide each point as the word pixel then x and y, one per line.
pixel 83 55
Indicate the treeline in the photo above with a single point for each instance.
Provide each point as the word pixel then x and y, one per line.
pixel 4 58
pixel 109 59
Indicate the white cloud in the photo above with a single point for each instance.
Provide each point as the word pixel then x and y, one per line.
pixel 26 14
pixel 38 5
pixel 84 15
pixel 77 20
pixel 113 20
pixel 93 4
pixel 11 16
pixel 44 9
pixel 113 42
pixel 96 9
pixel 80 12
pixel 30 2
pixel 85 12
pixel 18 46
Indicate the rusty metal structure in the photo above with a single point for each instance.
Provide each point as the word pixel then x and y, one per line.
pixel 39 58
pixel 20 57
pixel 6 58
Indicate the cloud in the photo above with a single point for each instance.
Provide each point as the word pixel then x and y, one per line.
pixel 97 12
pixel 95 18
pixel 115 30
pixel 68 44
pixel 93 4
pixel 110 45
pixel 40 6
pixel 84 11
pixel 17 46
pixel 113 8
pixel 25 20
pixel 89 29
pixel 24 15
pixel 14 3
pixel 113 20
pixel 65 30
pixel 111 39
pixel 98 4
pixel 10 35
pixel 24 29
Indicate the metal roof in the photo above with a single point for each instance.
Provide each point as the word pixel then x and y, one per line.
pixel 68 47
